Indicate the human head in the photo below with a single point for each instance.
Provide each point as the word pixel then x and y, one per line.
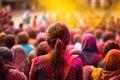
pixel 21 25
pixel 58 38
pixel 22 38
pixel 57 31
pixel 98 33
pixel 18 50
pixel 9 41
pixel 6 54
pixel 108 36
pixel 11 23
pixel 76 38
pixel 110 44
pixel 42 48
pixel 89 43
pixel 39 38
pixel 112 59
pixel 32 33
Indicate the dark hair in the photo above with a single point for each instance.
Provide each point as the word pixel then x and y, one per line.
pixel 10 17
pixel 57 60
pixel 32 33
pixel 11 23
pixel 98 33
pixel 22 38
pixel 6 53
pixel 21 25
pixel 3 69
pixel 112 29
pixel 9 41
pixel 108 36
pixel 110 44
pixel 76 38
pixel 58 37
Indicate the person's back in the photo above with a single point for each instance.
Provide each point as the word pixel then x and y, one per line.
pixel 23 39
pixel 92 58
pixel 7 70
pixel 112 66
pixel 57 64
pixel 44 72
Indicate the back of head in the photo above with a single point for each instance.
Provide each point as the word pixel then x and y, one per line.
pixel 57 31
pixel 110 44
pixel 58 38
pixel 98 33
pixel 42 48
pixel 39 38
pixel 22 38
pixel 108 36
pixel 76 38
pixel 11 23
pixel 6 54
pixel 112 59
pixel 9 41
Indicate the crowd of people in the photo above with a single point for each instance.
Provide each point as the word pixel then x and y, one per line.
pixel 52 51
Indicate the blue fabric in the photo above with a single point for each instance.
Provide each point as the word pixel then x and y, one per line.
pixel 28 48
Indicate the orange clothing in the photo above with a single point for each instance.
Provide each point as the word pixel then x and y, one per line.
pixel 112 62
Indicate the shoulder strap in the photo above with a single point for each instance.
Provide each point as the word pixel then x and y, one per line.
pixel 67 68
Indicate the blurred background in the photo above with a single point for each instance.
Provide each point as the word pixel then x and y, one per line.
pixel 72 12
